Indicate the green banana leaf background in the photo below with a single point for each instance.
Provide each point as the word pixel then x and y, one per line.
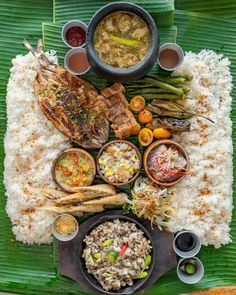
pixel 194 24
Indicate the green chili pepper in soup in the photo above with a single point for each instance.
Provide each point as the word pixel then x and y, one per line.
pixel 73 170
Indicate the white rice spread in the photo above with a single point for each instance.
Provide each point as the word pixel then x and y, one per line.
pixel 31 144
pixel 203 201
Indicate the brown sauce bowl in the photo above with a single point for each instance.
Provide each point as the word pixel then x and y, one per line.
pixel 103 149
pixel 153 146
pixel 68 151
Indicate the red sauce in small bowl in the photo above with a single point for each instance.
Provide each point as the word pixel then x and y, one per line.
pixel 76 36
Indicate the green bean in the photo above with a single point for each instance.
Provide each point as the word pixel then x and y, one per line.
pixel 163 85
pixel 163 96
pixel 150 90
pixel 170 80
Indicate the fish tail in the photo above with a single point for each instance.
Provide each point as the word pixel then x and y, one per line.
pixel 34 51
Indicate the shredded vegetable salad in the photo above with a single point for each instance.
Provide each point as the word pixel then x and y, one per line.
pixel 151 202
pixel 166 163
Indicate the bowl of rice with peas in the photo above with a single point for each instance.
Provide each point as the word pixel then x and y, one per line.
pixel 119 162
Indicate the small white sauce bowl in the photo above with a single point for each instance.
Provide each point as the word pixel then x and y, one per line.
pixel 174 47
pixel 70 24
pixel 194 278
pixel 64 238
pixel 187 254
pixel 68 55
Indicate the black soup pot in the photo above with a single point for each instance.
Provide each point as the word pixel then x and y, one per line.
pixel 122 74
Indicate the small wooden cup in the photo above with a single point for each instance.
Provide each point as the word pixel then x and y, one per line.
pixel 101 151
pixel 154 145
pixel 72 150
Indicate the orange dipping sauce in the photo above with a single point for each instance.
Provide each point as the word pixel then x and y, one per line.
pixel 78 62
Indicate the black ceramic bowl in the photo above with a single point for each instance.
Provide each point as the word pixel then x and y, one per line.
pixel 124 74
pixel 111 215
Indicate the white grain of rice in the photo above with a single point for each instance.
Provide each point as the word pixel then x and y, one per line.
pixel 203 200
pixel 31 144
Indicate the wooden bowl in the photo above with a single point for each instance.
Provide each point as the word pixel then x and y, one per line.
pixel 72 150
pixel 101 151
pixel 167 142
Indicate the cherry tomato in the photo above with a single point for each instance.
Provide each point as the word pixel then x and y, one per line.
pixel 137 103
pixel 67 173
pixel 145 116
pixel 145 136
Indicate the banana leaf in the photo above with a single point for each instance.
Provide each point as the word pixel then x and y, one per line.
pixel 161 10
pixel 33 269
pixel 225 8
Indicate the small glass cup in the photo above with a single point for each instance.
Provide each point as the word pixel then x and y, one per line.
pixel 70 24
pixel 187 278
pixel 61 237
pixel 173 47
pixel 69 54
pixel 193 250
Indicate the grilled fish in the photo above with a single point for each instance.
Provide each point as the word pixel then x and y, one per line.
pixel 69 102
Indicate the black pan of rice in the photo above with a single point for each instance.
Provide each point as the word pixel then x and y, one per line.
pixel 117 255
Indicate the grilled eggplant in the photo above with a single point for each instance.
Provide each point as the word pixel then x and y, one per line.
pixel 174 125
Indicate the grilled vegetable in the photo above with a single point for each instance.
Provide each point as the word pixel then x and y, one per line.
pixel 182 113
pixel 145 136
pixel 163 96
pixel 174 125
pixel 145 116
pixel 161 133
pixel 137 103
pixel 169 105
pixel 172 114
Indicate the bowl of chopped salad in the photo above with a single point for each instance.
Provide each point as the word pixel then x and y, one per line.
pixel 119 162
pixel 166 162
pixel 73 168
